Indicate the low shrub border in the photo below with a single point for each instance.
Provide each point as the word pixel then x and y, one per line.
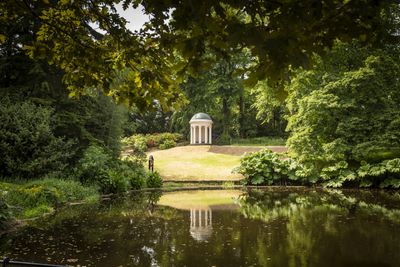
pixel 140 143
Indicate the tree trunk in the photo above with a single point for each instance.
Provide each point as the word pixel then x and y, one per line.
pixel 226 115
pixel 241 116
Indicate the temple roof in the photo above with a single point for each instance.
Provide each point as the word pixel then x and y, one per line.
pixel 201 116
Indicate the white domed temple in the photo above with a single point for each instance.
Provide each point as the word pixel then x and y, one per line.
pixel 201 129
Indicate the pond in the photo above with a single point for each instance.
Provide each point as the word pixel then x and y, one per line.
pixel 272 227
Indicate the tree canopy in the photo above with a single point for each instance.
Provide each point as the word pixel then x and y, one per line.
pixel 138 67
pixel 345 117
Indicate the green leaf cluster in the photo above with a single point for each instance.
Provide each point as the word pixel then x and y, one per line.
pixel 154 180
pixel 28 146
pixel 220 91
pixel 43 196
pixel 167 144
pixel 111 175
pixel 90 42
pixel 344 117
pixel 139 143
pixel 268 168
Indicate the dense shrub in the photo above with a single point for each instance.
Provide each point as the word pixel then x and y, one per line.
pixel 137 142
pixel 167 144
pixel 266 168
pixel 154 180
pixel 28 147
pixel 133 172
pixel 154 140
pixel 224 139
pixel 94 164
pixel 345 117
pixel 138 160
pixel 137 180
pixel 112 175
pixel 114 182
pixel 140 143
pixel 135 147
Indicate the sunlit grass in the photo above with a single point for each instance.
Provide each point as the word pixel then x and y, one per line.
pixel 195 163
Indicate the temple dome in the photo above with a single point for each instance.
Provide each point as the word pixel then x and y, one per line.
pixel 201 116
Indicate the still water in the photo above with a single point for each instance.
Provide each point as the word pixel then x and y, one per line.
pixel 274 227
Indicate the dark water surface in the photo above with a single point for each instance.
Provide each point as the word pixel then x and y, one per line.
pixel 274 227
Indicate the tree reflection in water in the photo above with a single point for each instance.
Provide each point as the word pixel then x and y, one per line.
pixel 275 227
pixel 341 228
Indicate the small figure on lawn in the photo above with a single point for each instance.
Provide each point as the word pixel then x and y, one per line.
pixel 151 163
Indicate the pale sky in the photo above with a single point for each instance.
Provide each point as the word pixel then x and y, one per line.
pixel 135 17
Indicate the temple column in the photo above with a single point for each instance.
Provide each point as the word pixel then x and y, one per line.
pixel 206 134
pixel 196 139
pixel 191 134
pixel 210 137
pixel 201 134
pixel 195 134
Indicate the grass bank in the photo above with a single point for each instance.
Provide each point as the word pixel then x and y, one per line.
pixel 39 197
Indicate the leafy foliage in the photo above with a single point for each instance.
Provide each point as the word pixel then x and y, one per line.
pixel 155 140
pixel 42 196
pixel 139 143
pixel 267 168
pixel 115 62
pixel 389 169
pixel 92 118
pixel 268 102
pixel 220 91
pixel 28 146
pixel 141 66
pixel 94 164
pixel 134 172
pixel 154 180
pixel 345 117
pixel 167 144
pixel 224 139
pixel 110 175
pixel 153 120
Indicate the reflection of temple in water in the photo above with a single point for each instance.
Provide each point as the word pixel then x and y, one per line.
pixel 200 224
pixel 201 204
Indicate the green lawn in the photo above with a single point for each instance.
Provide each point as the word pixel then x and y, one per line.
pixel 195 163
pixel 202 163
